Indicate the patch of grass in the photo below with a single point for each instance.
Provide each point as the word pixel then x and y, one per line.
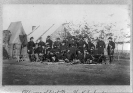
pixel 27 73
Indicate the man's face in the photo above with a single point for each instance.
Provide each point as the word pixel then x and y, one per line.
pixel 32 39
pixel 48 37
pixel 110 39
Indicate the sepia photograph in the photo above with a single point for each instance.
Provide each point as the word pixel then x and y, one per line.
pixel 66 44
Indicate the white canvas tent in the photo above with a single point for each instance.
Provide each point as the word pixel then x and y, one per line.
pixel 16 30
pixel 61 32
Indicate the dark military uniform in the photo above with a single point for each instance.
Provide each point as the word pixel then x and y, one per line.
pixel 30 49
pixel 100 47
pixel 66 41
pixel 80 56
pixel 48 56
pixel 80 45
pixel 41 43
pixel 49 44
pixel 57 44
pixel 90 48
pixel 88 56
pixel 43 46
pixel 99 58
pixel 72 42
pixel 63 50
pixel 110 49
pixel 72 53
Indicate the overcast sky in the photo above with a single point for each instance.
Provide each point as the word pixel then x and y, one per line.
pixel 46 15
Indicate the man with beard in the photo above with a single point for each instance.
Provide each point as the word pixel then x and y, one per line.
pixel 110 49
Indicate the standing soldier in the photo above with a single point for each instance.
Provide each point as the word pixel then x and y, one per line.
pixel 42 46
pixel 63 49
pixel 57 43
pixel 41 43
pixel 57 48
pixel 100 46
pixel 72 42
pixel 81 43
pixel 72 52
pixel 90 47
pixel 30 48
pixel 49 44
pixel 110 49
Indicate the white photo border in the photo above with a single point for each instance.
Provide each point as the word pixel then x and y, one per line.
pixel 71 88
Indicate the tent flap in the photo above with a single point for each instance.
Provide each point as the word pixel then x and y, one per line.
pixel 23 39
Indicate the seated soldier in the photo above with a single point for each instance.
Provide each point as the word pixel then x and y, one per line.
pixel 40 53
pixel 68 56
pixel 48 58
pixel 63 50
pixel 57 43
pixel 36 52
pixel 56 54
pixel 88 57
pixel 80 56
pixel 72 53
pixel 52 57
pixel 99 58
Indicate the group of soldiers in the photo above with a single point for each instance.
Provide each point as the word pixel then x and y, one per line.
pixel 70 49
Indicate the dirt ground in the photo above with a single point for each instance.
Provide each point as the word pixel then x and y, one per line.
pixel 31 73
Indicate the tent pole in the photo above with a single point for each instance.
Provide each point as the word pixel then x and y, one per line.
pixel 44 32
